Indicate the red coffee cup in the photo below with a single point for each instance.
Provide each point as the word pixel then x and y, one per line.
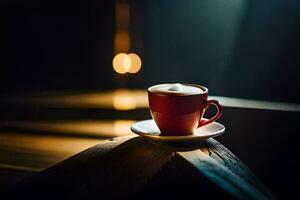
pixel 180 114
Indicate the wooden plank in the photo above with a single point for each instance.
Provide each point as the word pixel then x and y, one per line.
pixel 223 168
pixel 103 129
pixel 10 175
pixel 38 152
pixel 124 166
pixel 107 167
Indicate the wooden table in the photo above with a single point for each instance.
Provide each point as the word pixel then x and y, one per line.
pixel 39 131
pixel 131 167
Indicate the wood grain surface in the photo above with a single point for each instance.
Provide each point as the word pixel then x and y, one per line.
pixel 123 167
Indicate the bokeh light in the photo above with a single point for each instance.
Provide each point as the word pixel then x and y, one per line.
pixel 118 63
pixel 136 63
pixel 124 99
pixel 127 63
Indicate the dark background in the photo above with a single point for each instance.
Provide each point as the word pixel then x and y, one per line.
pixel 56 45
pixel 237 48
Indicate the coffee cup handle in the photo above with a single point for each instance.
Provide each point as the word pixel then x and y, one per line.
pixel 217 115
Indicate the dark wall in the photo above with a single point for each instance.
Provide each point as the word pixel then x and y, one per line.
pixel 56 44
pixel 237 48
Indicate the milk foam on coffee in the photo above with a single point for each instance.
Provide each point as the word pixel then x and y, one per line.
pixel 176 88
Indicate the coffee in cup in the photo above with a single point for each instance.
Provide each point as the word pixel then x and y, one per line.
pixel 178 109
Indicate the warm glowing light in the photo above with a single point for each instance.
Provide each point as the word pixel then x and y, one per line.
pixel 88 100
pixel 136 63
pixel 122 41
pixel 124 63
pixel 122 17
pixel 124 100
pixel 118 62
pixel 122 127
pixel 96 128
pixel 127 63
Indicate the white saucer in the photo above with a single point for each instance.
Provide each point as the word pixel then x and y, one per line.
pixel 149 130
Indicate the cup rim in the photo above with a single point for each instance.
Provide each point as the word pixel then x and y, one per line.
pixel 205 90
